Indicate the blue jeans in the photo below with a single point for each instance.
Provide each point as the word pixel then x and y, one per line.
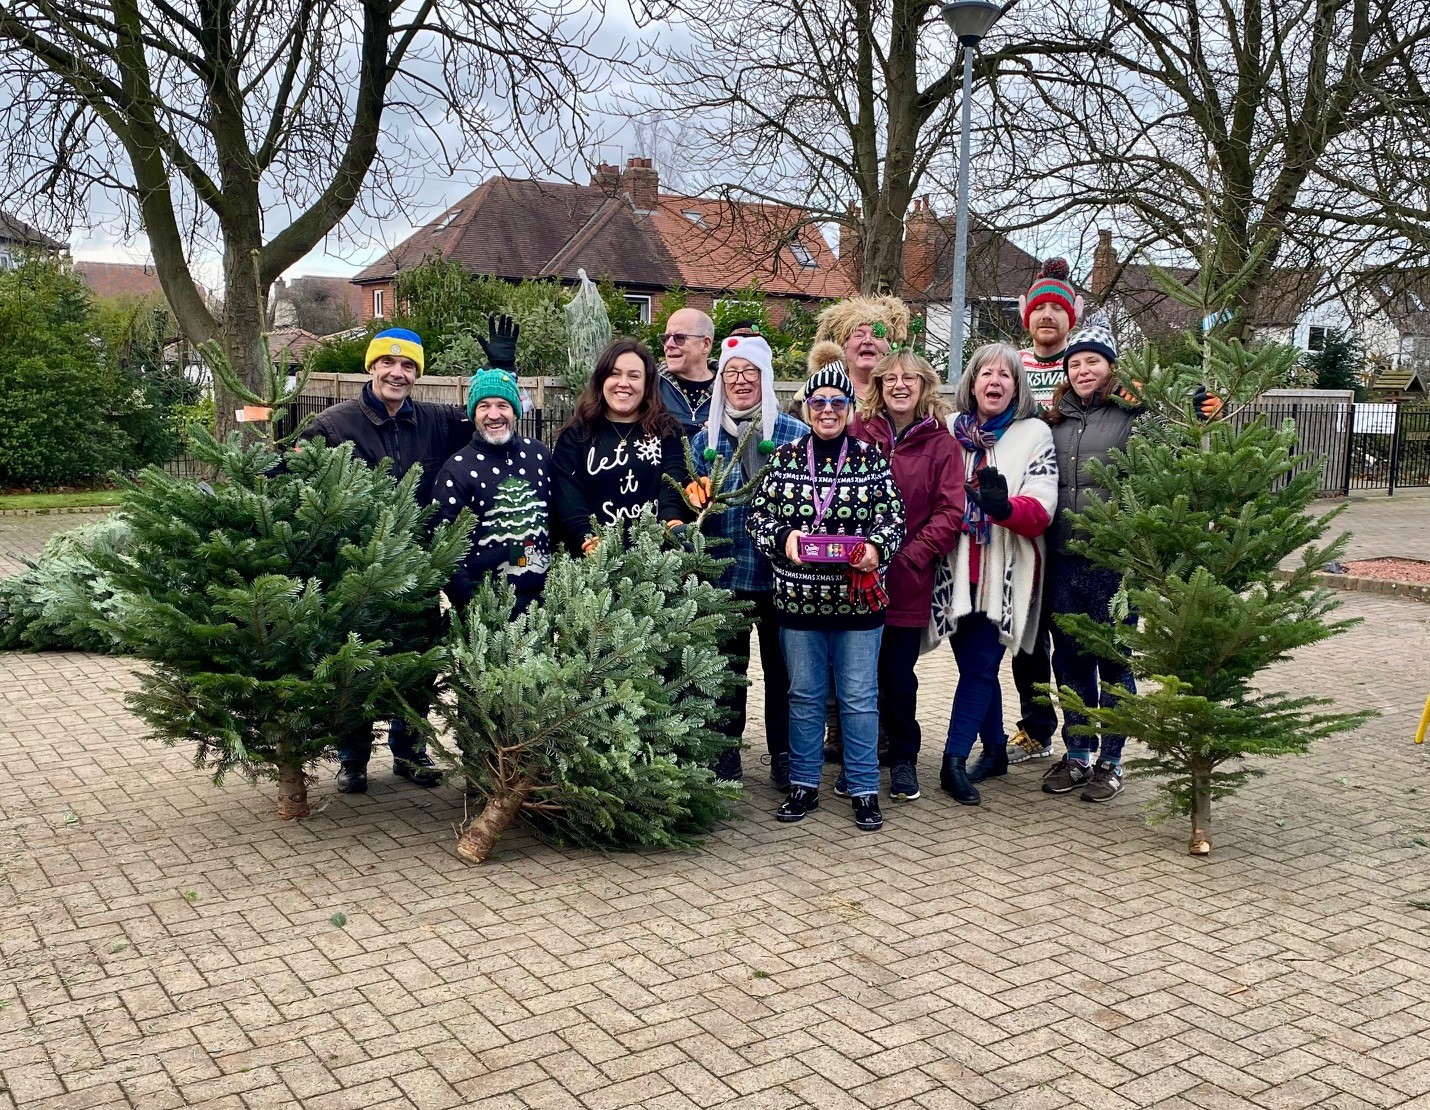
pixel 978 700
pixel 854 657
pixel 1080 587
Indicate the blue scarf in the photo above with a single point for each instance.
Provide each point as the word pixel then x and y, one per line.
pixel 978 439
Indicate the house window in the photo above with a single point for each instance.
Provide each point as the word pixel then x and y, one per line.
pixel 997 320
pixel 694 217
pixel 1316 337
pixel 447 220
pixel 642 305
pixel 5 263
pixel 377 302
pixel 801 254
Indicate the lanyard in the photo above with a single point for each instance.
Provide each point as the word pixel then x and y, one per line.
pixel 821 506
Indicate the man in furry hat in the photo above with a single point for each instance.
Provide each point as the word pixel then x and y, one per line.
pixel 859 332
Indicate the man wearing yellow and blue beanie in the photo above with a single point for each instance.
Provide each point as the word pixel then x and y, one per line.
pixel 386 422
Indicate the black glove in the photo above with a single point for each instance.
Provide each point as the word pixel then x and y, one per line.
pixel 990 494
pixel 500 346
pixel 1206 404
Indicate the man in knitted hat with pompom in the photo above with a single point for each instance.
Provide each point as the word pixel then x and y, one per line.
pixel 1050 309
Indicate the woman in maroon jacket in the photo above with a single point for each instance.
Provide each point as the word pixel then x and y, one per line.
pixel 905 416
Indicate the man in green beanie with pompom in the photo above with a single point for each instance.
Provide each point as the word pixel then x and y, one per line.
pixel 505 479
pixel 744 406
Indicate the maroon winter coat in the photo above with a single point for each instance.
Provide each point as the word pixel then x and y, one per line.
pixel 928 471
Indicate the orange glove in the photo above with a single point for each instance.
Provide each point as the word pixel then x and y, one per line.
pixel 698 492
pixel 1125 394
pixel 1208 405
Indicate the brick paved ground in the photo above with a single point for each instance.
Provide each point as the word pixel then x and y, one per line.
pixel 166 943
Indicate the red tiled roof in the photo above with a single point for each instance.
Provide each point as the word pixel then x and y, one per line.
pixel 516 229
pixel 291 344
pixel 120 280
pixel 724 245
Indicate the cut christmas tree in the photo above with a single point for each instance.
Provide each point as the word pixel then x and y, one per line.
pixel 281 608
pixel 590 715
pixel 1199 517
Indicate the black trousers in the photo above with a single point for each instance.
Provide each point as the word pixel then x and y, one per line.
pixel 899 693
pixel 772 661
pixel 1031 668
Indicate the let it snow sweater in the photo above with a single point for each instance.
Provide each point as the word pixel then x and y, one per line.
pixel 613 475
pixel 508 489
pixel 865 503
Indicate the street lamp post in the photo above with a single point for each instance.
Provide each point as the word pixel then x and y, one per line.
pixel 970 20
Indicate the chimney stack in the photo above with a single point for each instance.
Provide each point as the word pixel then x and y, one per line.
pixel 921 233
pixel 641 184
pixel 1104 265
pixel 607 178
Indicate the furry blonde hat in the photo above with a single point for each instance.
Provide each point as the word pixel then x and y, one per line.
pixel 838 321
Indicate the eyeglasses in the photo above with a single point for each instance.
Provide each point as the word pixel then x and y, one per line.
pixel 833 404
pixel 740 374
pixel 678 338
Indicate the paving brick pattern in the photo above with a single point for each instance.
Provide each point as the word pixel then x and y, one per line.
pixel 167 943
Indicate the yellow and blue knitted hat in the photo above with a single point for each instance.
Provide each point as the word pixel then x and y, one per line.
pixel 398 342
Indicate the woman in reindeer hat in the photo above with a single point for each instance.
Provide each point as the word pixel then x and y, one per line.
pixel 744 408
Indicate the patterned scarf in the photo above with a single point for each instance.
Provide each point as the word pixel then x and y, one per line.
pixel 978 439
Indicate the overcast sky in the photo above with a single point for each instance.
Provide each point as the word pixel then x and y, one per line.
pixel 361 239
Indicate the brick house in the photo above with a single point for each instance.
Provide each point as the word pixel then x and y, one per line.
pixel 1294 306
pixel 998 272
pixel 623 227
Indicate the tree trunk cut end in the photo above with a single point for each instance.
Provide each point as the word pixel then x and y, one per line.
pixel 479 835
pixel 293 795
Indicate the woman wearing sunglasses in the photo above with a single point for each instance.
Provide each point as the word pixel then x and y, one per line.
pixel 828 516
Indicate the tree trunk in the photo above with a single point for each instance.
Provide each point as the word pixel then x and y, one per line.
pixel 1201 842
pixel 241 335
pixel 292 794
pixel 479 835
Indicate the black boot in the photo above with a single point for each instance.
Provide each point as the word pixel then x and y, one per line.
pixel 352 778
pixel 417 769
pixel 990 763
pixel 953 777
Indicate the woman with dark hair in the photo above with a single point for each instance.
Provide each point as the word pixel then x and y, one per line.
pixel 610 458
pixel 1089 421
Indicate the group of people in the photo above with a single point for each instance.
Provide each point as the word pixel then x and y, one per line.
pixel 883 521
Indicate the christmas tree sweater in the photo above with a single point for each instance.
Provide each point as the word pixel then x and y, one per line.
pixel 615 473
pixel 864 503
pixel 508 489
